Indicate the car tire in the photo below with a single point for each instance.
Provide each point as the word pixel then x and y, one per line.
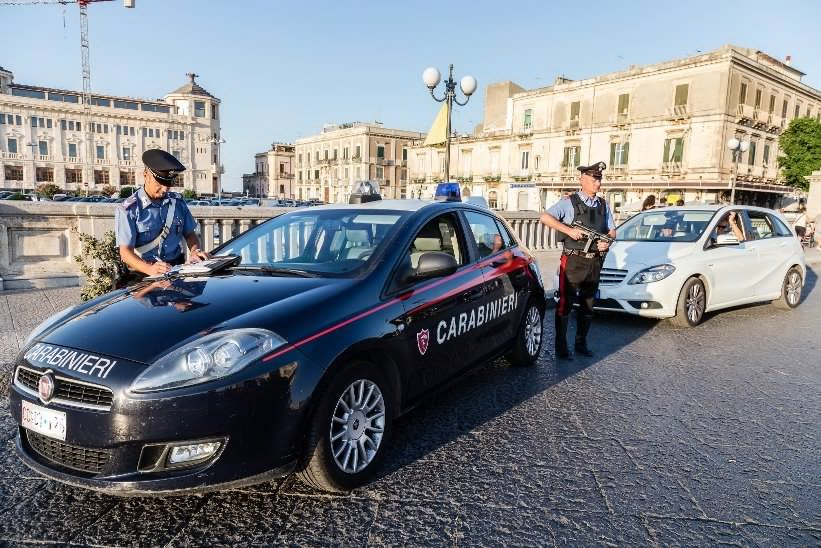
pixel 790 290
pixel 339 439
pixel 692 302
pixel 529 337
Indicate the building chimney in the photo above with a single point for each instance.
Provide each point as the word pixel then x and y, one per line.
pixel 788 60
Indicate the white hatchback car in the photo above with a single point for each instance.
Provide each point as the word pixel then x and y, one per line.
pixel 680 262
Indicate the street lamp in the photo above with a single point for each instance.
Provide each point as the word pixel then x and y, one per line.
pixel 737 147
pixel 431 77
pixel 218 142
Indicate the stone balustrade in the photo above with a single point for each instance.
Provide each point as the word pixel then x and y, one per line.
pixel 37 244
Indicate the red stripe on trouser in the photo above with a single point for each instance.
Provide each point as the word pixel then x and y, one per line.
pixel 561 309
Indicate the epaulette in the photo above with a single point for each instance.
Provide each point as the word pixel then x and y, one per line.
pixel 175 195
pixel 130 201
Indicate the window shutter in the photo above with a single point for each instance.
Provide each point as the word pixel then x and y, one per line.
pixel 666 156
pixel 625 153
pixel 681 94
pixel 574 110
pixel 612 154
pixel 565 157
pixel 679 150
pixel 624 103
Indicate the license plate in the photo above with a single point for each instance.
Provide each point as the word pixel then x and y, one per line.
pixel 44 421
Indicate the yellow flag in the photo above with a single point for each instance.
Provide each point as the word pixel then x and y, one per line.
pixel 438 133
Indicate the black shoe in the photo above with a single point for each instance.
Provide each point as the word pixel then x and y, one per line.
pixel 583 350
pixel 564 354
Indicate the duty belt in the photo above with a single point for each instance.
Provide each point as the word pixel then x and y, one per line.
pixel 581 253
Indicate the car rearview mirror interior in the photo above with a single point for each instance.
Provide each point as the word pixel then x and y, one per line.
pixel 435 264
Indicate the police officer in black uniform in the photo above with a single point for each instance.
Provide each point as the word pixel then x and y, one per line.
pixel 154 227
pixel 579 271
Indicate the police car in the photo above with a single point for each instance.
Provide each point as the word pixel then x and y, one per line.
pixel 325 324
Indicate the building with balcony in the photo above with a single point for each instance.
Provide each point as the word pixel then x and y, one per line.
pixel 329 163
pixel 47 136
pixel 661 128
pixel 274 174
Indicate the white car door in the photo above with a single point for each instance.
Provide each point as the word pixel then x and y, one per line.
pixel 730 269
pixel 774 243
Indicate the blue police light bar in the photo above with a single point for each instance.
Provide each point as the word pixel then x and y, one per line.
pixel 448 192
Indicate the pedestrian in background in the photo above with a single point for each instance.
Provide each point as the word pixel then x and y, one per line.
pixel 649 202
pixel 800 223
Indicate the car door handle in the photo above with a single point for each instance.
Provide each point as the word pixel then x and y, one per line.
pixel 474 294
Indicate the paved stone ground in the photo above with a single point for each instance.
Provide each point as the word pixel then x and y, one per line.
pixel 671 437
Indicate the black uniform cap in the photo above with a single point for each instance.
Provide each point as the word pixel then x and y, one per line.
pixel 162 165
pixel 594 169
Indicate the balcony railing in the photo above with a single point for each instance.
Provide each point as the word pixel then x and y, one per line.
pixel 671 168
pixel 127 163
pixel 744 112
pixel 100 161
pixel 74 160
pixel 571 125
pixel 12 156
pixel 678 112
pixel 45 157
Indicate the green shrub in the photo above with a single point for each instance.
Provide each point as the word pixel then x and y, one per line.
pixel 101 276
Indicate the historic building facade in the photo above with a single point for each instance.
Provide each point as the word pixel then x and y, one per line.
pixel 662 129
pixel 273 176
pixel 329 163
pixel 46 138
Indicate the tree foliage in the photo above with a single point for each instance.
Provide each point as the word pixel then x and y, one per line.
pixel 127 191
pixel 800 151
pixel 189 193
pixel 48 190
pixel 100 263
pixel 109 190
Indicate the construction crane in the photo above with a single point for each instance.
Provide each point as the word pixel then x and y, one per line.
pixel 88 175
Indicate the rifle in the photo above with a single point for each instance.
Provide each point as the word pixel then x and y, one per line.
pixel 591 236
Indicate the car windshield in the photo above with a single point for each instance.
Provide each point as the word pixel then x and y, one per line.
pixel 674 225
pixel 324 243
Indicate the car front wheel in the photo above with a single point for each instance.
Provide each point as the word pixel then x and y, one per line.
pixel 790 290
pixel 349 430
pixel 692 301
pixel 528 343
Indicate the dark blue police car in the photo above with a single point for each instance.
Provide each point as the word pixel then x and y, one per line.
pixel 298 355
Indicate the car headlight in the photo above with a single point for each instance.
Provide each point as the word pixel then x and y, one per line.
pixel 211 357
pixel 47 324
pixel 652 274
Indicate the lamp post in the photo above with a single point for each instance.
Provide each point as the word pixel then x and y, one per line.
pixel 737 147
pixel 218 142
pixel 33 145
pixel 431 77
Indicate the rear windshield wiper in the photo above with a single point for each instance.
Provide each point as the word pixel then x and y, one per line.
pixel 274 270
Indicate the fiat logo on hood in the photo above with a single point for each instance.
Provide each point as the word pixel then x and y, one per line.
pixel 45 387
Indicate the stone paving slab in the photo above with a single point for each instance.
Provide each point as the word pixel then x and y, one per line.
pixel 669 437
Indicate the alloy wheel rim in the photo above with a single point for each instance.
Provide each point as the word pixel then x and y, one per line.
pixel 695 303
pixel 357 426
pixel 793 288
pixel 533 331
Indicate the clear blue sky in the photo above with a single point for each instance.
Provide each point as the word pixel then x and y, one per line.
pixel 282 69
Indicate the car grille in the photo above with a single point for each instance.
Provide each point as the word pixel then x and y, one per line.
pixel 612 276
pixel 67 391
pixel 67 455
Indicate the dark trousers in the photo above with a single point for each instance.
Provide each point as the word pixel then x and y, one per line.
pixel 578 283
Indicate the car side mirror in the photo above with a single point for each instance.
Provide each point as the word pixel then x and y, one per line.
pixel 434 264
pixel 726 239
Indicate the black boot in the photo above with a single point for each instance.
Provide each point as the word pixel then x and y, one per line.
pixel 583 322
pixel 561 338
